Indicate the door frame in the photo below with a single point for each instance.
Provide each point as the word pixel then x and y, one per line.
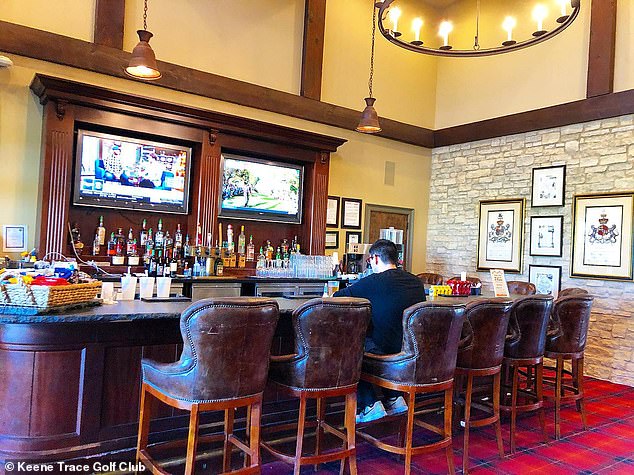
pixel 409 212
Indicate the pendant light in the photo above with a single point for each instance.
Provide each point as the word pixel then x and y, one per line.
pixel 369 123
pixel 143 62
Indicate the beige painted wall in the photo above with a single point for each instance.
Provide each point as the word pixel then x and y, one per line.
pixel 20 145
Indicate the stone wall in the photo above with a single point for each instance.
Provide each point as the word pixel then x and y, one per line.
pixel 599 157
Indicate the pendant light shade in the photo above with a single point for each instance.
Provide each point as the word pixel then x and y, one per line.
pixel 369 123
pixel 143 62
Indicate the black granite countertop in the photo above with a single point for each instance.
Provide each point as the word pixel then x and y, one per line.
pixel 123 311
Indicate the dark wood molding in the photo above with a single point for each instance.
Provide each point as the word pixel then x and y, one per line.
pixel 313 48
pixel 54 48
pixel 593 108
pixel 602 48
pixel 109 16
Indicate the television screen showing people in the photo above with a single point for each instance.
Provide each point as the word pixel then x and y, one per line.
pixel 125 171
pixel 260 188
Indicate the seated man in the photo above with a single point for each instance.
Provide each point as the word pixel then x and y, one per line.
pixel 391 291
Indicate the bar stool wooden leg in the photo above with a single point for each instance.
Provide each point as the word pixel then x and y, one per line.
pixel 496 412
pixel 300 434
pixel 319 431
pixel 255 411
pixel 350 423
pixel 514 406
pixel 411 400
pixel 467 416
pixel 578 363
pixel 558 390
pixel 144 423
pixel 192 441
pixel 539 391
pixel 247 457
pixel 447 429
pixel 226 457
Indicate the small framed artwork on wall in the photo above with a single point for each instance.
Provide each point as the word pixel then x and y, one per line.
pixel 350 213
pixel 332 212
pixel 332 239
pixel 546 235
pixel 549 185
pixel 353 237
pixel 547 279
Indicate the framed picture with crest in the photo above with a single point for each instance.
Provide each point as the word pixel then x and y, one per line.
pixel 602 230
pixel 500 235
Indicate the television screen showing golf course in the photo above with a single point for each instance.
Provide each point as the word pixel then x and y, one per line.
pixel 261 187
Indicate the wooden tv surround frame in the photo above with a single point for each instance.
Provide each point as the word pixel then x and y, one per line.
pixel 70 105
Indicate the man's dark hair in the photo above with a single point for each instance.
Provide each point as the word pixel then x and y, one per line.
pixel 386 250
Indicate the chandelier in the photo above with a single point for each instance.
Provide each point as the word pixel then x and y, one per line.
pixel 467 28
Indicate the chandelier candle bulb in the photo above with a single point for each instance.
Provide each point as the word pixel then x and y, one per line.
pixel 540 12
pixel 508 25
pixel 395 14
pixel 417 24
pixel 564 16
pixel 445 28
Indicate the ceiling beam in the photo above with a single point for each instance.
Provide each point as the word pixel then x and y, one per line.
pixel 109 15
pixel 313 48
pixel 602 46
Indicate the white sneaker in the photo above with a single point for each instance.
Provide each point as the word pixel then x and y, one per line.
pixel 371 413
pixel 395 405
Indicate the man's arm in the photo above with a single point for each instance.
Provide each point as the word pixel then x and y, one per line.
pixel 361 288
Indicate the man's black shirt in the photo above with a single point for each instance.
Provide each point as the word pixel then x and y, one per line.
pixel 390 292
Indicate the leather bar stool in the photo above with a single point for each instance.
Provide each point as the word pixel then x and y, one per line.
pixel 480 355
pixel 224 365
pixel 524 349
pixel 517 287
pixel 426 364
pixel 567 341
pixel 329 338
pixel 571 291
pixel 430 279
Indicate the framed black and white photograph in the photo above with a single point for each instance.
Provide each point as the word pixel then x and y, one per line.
pixel 546 235
pixel 602 236
pixel 332 212
pixel 350 213
pixel 332 239
pixel 500 235
pixel 353 237
pixel 14 237
pixel 549 185
pixel 547 279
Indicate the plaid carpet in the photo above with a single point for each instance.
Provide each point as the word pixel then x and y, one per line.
pixel 607 447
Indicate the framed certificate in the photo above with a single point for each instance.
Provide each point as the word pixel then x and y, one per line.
pixel 549 185
pixel 14 237
pixel 546 235
pixel 350 213
pixel 332 212
pixel 500 235
pixel 332 239
pixel 547 279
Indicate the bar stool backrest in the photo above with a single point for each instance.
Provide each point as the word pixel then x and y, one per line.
pixel 227 346
pixel 431 333
pixel 571 291
pixel 329 340
pixel 430 278
pixel 484 332
pixel 528 323
pixel 521 288
pixel 571 318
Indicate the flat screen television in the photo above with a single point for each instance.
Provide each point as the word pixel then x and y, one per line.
pixel 259 189
pixel 113 171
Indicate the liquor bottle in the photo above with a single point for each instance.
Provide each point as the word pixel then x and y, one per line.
pixel 149 244
pixel 297 246
pixel 152 265
pixel 224 254
pixel 250 250
pixel 241 241
pixel 284 246
pixel 168 243
pixel 159 236
pixel 199 235
pixel 167 265
pixel 187 272
pixel 173 267
pixel 101 232
pixel 242 261
pixel 232 258
pixel 96 247
pixel 143 235
pixel 160 263
pixel 187 252
pixel 268 250
pixel 230 246
pixel 178 241
pixel 130 244
pixel 218 265
pixel 112 245
pixel 261 264
pixel 278 257
pixel 121 245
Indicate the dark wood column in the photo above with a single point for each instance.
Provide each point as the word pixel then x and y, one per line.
pixel 109 16
pixel 313 51
pixel 602 47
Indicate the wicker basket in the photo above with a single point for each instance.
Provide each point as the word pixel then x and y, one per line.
pixel 44 296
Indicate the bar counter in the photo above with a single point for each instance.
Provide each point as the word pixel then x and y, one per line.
pixel 71 381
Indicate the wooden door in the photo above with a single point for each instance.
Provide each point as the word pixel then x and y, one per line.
pixel 377 218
